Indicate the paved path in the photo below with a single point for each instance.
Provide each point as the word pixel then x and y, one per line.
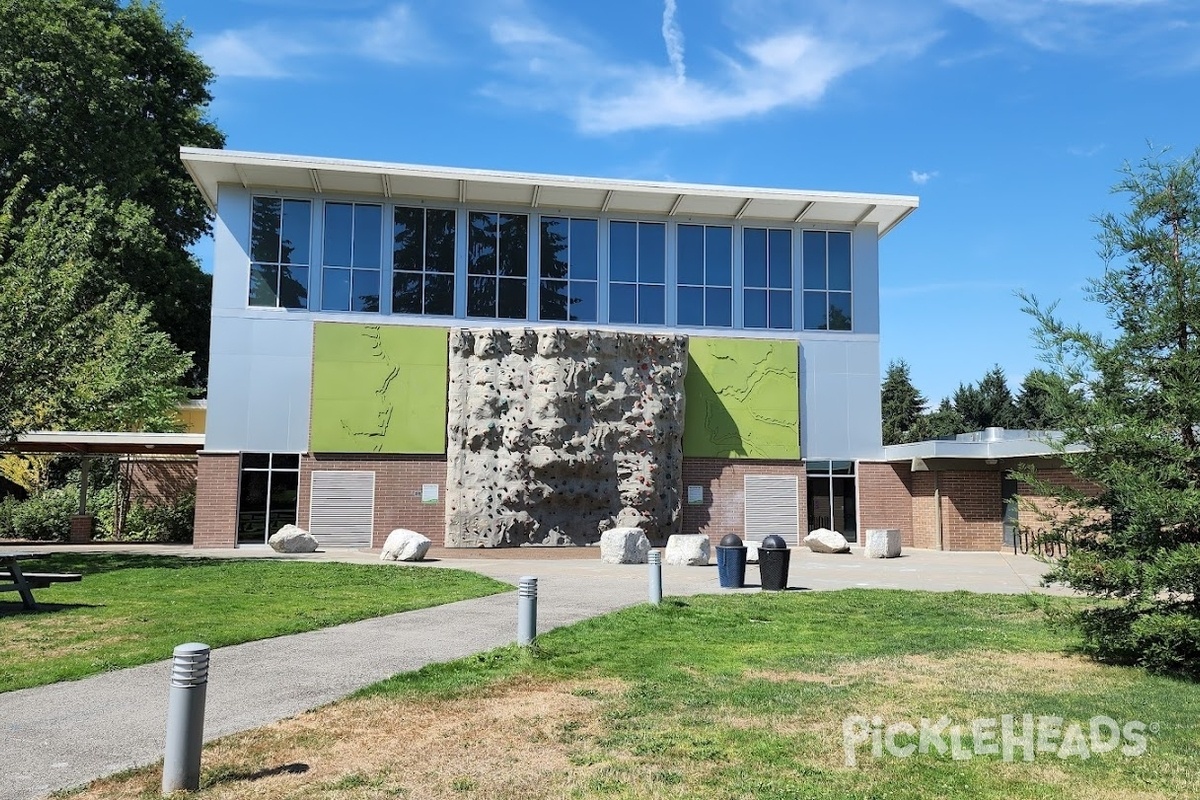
pixel 68 733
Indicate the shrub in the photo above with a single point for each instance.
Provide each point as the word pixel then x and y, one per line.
pixel 160 522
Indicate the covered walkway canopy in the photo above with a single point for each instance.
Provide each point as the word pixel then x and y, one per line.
pixel 102 443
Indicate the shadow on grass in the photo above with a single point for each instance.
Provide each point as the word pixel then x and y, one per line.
pixel 8 609
pixel 98 563
pixel 220 776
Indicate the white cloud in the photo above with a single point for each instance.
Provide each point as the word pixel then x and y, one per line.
pixel 673 38
pixel 1082 25
pixel 249 53
pixel 1085 152
pixel 274 50
pixel 922 178
pixel 792 66
pixel 395 36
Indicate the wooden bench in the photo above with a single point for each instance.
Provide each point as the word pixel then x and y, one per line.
pixel 14 579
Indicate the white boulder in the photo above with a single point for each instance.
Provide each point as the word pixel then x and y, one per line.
pixel 405 545
pixel 688 550
pixel 882 543
pixel 290 539
pixel 624 546
pixel 823 540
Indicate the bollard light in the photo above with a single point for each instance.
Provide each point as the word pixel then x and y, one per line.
pixel 526 610
pixel 655 560
pixel 185 718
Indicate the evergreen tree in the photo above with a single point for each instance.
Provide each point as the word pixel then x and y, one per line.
pixel 1037 403
pixel 942 423
pixel 1138 541
pixel 990 404
pixel 902 405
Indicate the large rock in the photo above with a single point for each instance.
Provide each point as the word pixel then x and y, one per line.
pixel 624 546
pixel 882 543
pixel 823 540
pixel 688 550
pixel 290 539
pixel 405 545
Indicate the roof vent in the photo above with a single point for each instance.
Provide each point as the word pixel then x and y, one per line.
pixel 993 434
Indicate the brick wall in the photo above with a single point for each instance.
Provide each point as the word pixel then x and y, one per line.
pixel 972 512
pixel 158 480
pixel 924 509
pixel 398 482
pixel 723 480
pixel 1038 512
pixel 216 499
pixel 885 499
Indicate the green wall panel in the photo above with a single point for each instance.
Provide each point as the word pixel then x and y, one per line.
pixel 378 389
pixel 742 399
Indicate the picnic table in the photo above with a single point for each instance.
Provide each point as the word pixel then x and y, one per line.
pixel 14 579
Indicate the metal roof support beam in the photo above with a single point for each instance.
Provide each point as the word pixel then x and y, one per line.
pixel 742 210
pixel 241 176
pixel 537 190
pixel 462 191
pixel 316 182
pixel 870 210
pixel 804 211
pixel 607 199
pixel 387 186
pixel 675 205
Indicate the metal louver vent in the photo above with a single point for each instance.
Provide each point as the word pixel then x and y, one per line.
pixel 342 508
pixel 772 507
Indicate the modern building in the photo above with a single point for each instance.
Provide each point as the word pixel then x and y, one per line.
pixel 498 358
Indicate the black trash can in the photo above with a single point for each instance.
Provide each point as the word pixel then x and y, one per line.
pixel 773 558
pixel 731 562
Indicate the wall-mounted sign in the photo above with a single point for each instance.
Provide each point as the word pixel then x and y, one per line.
pixel 429 493
pixel 695 495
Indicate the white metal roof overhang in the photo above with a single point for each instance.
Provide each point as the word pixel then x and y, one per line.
pixel 106 443
pixel 210 168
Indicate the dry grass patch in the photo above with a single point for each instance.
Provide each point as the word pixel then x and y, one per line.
pixel 513 741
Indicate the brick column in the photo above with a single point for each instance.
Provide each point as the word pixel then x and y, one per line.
pixel 82 527
pixel 216 500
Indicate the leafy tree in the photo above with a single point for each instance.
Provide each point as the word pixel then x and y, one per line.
pixel 988 404
pixel 902 405
pixel 102 93
pixel 77 349
pixel 1138 541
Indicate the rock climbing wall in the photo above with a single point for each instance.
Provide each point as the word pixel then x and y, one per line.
pixel 555 436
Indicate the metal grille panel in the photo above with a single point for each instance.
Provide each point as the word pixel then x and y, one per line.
pixel 342 508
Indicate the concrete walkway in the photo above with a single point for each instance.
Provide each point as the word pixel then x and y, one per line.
pixel 62 735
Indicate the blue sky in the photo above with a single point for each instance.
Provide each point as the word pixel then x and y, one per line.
pixel 1009 118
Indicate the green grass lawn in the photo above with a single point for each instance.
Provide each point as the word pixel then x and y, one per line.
pixel 732 697
pixel 133 609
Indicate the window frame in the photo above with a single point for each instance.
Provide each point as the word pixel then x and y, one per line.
pixel 425 272
pixel 270 470
pixel 638 283
pixel 767 289
pixel 278 264
pixel 706 286
pixel 529 215
pixel 351 268
pixel 826 292
pixel 569 279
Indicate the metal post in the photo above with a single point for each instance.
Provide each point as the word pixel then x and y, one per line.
pixel 526 610
pixel 185 718
pixel 85 465
pixel 655 560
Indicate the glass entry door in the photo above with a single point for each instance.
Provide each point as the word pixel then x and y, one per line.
pixel 267 494
pixel 832 497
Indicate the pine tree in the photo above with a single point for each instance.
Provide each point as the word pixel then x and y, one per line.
pixel 990 404
pixel 902 405
pixel 1138 541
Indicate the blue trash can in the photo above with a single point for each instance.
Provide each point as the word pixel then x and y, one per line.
pixel 731 562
